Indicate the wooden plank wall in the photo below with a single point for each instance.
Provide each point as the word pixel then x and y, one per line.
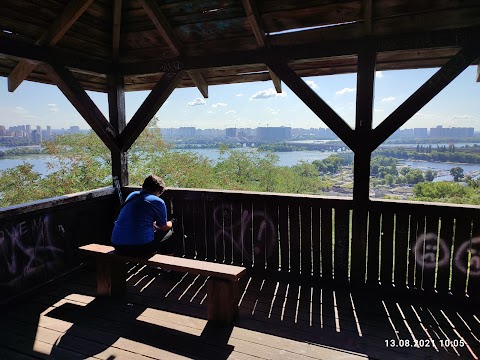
pixel 428 247
pixel 302 235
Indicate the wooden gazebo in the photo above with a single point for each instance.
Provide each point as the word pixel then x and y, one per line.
pixel 114 46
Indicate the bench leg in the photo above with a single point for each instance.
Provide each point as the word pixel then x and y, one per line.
pixel 222 298
pixel 111 277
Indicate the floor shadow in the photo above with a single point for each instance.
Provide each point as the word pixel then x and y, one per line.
pixel 96 330
pixel 380 327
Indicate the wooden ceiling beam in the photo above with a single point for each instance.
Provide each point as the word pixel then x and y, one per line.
pixel 55 32
pixel 368 16
pixel 256 22
pixel 36 54
pixel 161 23
pixel 77 96
pixel 149 108
pixel 315 103
pixel 444 76
pixel 478 73
pixel 116 30
pixel 339 48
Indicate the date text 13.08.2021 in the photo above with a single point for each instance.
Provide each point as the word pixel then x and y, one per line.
pixel 422 343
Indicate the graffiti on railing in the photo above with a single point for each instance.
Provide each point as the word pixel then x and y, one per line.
pixel 27 247
pixel 461 258
pixel 427 246
pixel 261 244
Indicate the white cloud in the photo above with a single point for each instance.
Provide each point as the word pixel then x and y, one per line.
pixel 53 107
pixel 266 94
pixel 196 102
pixel 377 110
pixel 379 74
pixel 388 99
pixel 219 105
pixel 20 110
pixel 461 117
pixel 210 112
pixel 345 90
pixel 312 84
pixel 272 110
pixel 231 112
pixel 239 95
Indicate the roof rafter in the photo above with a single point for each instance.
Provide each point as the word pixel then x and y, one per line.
pixel 424 94
pixel 315 103
pixel 77 96
pixel 256 22
pixel 55 32
pixel 149 107
pixel 368 16
pixel 161 23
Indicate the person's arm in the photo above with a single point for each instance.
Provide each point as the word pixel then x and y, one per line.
pixel 161 222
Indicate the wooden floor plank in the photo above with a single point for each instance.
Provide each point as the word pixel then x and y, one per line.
pixel 165 317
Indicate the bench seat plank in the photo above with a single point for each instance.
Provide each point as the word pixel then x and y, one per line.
pixel 197 267
pixel 222 284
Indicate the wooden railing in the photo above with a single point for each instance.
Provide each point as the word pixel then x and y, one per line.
pixel 428 247
pixel 409 245
pixel 303 235
pixel 39 240
pixel 431 248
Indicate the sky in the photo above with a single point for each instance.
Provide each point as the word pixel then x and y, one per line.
pixel 257 104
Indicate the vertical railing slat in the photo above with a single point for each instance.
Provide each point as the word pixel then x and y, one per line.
pixel 272 249
pixel 474 274
pixel 316 246
pixel 430 254
pixel 284 238
pixel 419 251
pixel 246 229
pixel 444 256
pixel 461 245
pixel 373 246
pixel 219 232
pixel 227 232
pixel 189 228
pixel 178 213
pixel 236 233
pixel 401 249
pixel 342 223
pixel 386 260
pixel 326 241
pixel 294 219
pixel 209 207
pixel 306 234
pixel 199 225
pixel 412 263
pixel 259 236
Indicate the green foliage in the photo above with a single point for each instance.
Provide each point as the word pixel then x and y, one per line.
pixel 331 164
pixel 82 162
pixel 449 192
pixel 457 173
pixel 430 175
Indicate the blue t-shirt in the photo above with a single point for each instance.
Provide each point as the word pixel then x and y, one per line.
pixel 134 225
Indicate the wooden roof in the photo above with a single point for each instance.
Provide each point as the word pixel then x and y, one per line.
pixel 224 41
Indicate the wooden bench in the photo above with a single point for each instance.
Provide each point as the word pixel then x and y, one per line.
pixel 222 284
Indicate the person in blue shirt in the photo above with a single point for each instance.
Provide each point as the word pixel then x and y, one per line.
pixel 142 227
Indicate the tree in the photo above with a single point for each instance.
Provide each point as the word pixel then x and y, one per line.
pixel 414 176
pixel 457 173
pixel 430 175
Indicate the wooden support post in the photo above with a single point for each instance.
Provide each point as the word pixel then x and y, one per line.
pixel 116 105
pixel 111 276
pixel 222 297
pixel 361 172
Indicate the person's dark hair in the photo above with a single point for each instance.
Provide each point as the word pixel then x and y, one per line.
pixel 153 184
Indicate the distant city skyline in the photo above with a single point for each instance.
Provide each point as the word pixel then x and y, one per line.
pixel 252 105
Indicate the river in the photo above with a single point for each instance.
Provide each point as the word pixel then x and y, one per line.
pixel 40 162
